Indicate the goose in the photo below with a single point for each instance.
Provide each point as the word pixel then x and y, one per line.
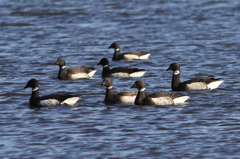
pixel 120 97
pixel 73 73
pixel 193 84
pixel 137 55
pixel 158 98
pixel 119 71
pixel 48 100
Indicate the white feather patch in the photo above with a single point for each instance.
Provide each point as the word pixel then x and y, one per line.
pixel 162 101
pixel 176 72
pixel 49 102
pixel 197 86
pixel 180 100
pixel 146 56
pixel 130 57
pixel 79 75
pixel 127 99
pixel 138 74
pixel 71 101
pixel 214 85
pixel 120 74
pixel 90 74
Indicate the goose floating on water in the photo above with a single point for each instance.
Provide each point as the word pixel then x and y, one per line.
pixel 137 55
pixel 73 73
pixel 120 97
pixel 119 71
pixel 158 98
pixel 48 100
pixel 193 84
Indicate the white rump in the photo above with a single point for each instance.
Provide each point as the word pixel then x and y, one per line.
pixel 71 101
pixel 180 100
pixel 145 56
pixel 214 85
pixel 138 74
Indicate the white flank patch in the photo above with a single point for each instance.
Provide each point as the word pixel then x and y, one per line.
pixel 127 99
pixel 90 74
pixel 71 101
pixel 180 100
pixel 49 102
pixel 162 101
pixel 145 56
pixel 138 74
pixel 79 75
pixel 197 85
pixel 130 57
pixel 214 85
pixel 120 74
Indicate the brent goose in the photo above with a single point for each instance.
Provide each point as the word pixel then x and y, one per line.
pixel 194 84
pixel 73 73
pixel 48 100
pixel 120 97
pixel 159 98
pixel 119 71
pixel 127 55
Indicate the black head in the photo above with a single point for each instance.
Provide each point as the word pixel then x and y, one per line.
pixel 60 62
pixel 114 45
pixel 174 67
pixel 107 82
pixel 139 84
pixel 103 62
pixel 33 83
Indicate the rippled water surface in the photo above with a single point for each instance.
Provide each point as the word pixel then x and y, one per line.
pixel 203 36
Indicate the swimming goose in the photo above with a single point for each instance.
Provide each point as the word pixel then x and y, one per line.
pixel 48 100
pixel 119 71
pixel 73 73
pixel 159 98
pixel 194 84
pixel 120 97
pixel 127 55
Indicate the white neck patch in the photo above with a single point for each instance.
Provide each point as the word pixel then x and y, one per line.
pixel 110 87
pixel 176 72
pixel 63 67
pixel 35 89
pixel 105 66
pixel 117 49
pixel 143 89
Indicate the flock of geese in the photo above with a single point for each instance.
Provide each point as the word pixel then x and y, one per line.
pixel 130 97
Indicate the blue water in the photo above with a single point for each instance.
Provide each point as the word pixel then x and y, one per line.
pixel 202 36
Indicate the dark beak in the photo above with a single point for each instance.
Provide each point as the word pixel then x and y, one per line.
pixel 169 68
pixel 102 84
pixel 134 86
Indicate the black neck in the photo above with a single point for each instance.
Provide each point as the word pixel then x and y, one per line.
pixel 175 82
pixel 105 71
pixel 34 96
pixel 116 55
pixel 61 70
pixel 140 98
pixel 110 95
